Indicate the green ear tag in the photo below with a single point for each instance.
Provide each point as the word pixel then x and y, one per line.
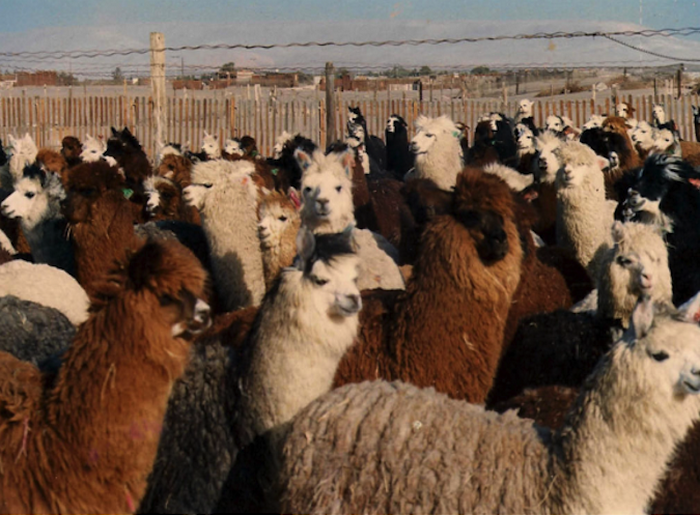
pixel 127 192
pixel 274 171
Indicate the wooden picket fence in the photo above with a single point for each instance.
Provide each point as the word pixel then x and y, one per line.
pixel 48 119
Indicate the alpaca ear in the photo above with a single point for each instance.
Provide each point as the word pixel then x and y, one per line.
pixel 690 311
pixel 294 197
pixel 206 134
pixel 303 159
pixel 618 231
pixel 306 244
pixel 144 264
pixel 115 132
pixel 642 317
pixel 13 141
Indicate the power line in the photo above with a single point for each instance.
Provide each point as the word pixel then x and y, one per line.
pixel 75 54
pixel 655 54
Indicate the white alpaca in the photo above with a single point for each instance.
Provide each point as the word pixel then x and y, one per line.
pixel 210 146
pixel 303 329
pixel 232 147
pixel 584 216
pixel 438 151
pixel 327 207
pixel 227 199
pixel 554 124
pixel 594 121
pixel 665 142
pixel 643 136
pixel 45 285
pixel 524 109
pixel 23 152
pixel 36 202
pixel 93 149
pixel 393 448
pixel 658 115
pixel 548 162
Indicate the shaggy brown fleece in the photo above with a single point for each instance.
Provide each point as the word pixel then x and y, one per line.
pixel 446 329
pixel 546 405
pixel 176 168
pixel 627 154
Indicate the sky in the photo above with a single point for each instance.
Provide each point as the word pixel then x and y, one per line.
pixel 39 25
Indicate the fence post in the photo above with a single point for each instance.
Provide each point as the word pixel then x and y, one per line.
pixel 158 87
pixel 331 134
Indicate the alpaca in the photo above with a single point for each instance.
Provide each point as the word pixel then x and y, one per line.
pixel 584 216
pixel 45 285
pixel 437 150
pixel 36 203
pixel 285 167
pixel 625 110
pixel 400 159
pixel 467 270
pixel 374 146
pixel 224 191
pixel 514 179
pixel 643 136
pixel 93 149
pixel 546 164
pixel 327 207
pixel 390 447
pixel 525 115
pixel 71 148
pixel 33 332
pixel 164 201
pixel 622 154
pixel 106 405
pixel 51 161
pixel 562 347
pixel 127 152
pixel 176 168
pixel 22 153
pixel 594 121
pixel 210 146
pixel 278 228
pixel 662 193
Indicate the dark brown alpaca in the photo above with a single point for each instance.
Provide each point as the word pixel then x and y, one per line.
pixel 619 142
pixel 86 442
pixel 446 330
pixel 71 148
pixel 176 168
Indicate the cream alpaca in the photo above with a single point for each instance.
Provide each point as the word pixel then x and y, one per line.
pixel 278 227
pixel 438 151
pixel 390 447
pixel 227 199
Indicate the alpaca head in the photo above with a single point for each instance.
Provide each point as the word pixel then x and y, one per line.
pixel 429 131
pixel 658 114
pixel 554 124
pixel 524 138
pixel 23 152
pixel 481 204
pixel 659 355
pixel 176 168
pixel 210 146
pixel 162 197
pixel 165 149
pixel 624 110
pixel 525 108
pixel 212 179
pixel 71 147
pixel 579 165
pixel 356 121
pixel 37 197
pixel 329 268
pixel 278 217
pixel 548 161
pixel 665 142
pixel 637 264
pixel 594 121
pixel 326 188
pixel 394 122
pixel 85 185
pixel 643 136
pixel 280 142
pixel 93 149
pixel 169 284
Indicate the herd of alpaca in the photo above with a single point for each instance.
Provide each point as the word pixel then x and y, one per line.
pixel 387 325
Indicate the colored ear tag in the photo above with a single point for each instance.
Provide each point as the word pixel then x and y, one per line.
pixel 128 192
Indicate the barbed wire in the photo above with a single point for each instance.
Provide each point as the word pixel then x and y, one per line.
pixel 89 54
pixel 651 52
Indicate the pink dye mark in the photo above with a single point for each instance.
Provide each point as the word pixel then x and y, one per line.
pixel 25 434
pixel 130 502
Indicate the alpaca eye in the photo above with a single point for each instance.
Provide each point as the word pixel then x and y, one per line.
pixel 166 300
pixel 29 194
pixel 660 356
pixel 282 218
pixel 623 261
pixel 318 281
pixel 307 190
pixel 338 188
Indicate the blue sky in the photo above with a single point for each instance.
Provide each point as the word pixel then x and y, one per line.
pixel 22 15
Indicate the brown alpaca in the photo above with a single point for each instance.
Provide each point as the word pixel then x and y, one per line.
pixel 86 442
pixel 446 329
pixel 71 148
pixel 100 217
pixel 51 161
pixel 176 168
pixel 164 202
pixel 626 153
pixel 278 227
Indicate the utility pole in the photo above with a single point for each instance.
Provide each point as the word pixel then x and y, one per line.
pixel 331 133
pixel 158 87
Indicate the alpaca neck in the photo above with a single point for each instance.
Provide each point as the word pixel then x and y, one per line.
pixel 293 359
pixel 441 164
pixel 109 401
pixel 331 225
pixel 50 244
pixel 613 449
